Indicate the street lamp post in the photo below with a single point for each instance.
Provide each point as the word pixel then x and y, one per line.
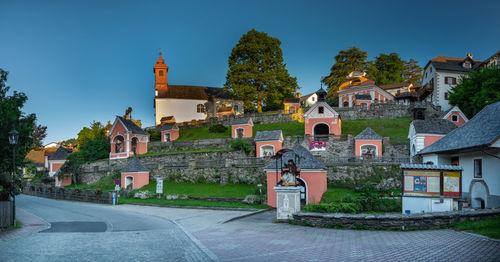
pixel 13 138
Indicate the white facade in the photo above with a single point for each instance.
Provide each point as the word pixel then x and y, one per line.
pixel 312 99
pixel 414 205
pixel 417 141
pixel 184 110
pixel 438 96
pixel 476 189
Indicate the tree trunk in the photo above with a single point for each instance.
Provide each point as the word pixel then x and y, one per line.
pixel 259 106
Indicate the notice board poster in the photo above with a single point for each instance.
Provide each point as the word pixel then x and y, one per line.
pixel 421 182
pixel 451 182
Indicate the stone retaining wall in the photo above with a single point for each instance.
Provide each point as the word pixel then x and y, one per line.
pixel 391 221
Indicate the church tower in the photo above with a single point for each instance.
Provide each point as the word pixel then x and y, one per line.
pixel 160 70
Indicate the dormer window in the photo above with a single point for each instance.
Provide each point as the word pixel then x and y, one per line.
pixel 321 110
pixel 467 64
pixel 454 118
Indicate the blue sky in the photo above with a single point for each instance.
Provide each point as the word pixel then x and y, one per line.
pixel 80 61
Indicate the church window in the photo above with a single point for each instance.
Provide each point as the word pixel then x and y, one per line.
pixel 161 72
pixel 321 110
pixel 200 108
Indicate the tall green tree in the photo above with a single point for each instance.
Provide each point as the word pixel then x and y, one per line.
pixel 96 130
pixel 412 72
pixel 11 116
pixel 257 73
pixel 476 90
pixel 346 61
pixel 386 69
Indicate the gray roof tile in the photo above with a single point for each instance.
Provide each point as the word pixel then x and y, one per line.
pixel 482 130
pixel 135 165
pixel 431 167
pixel 368 133
pixel 240 121
pixel 307 161
pixel 268 135
pixel 61 153
pixel 167 126
pixel 131 126
pixel 433 126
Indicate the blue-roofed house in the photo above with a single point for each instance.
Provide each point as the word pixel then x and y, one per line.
pixel 475 146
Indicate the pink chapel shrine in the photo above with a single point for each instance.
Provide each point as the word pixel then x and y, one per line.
pixel 368 143
pixel 267 143
pixel 311 175
pixel 456 116
pixel 321 121
pixel 242 127
pixel 127 139
pixel 135 175
pixel 169 132
pixel 55 162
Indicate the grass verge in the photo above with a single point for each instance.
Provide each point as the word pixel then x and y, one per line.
pixel 184 151
pixel 203 190
pixel 393 127
pixel 486 227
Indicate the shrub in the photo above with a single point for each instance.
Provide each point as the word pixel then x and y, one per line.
pixel 201 179
pixel 218 128
pixel 332 208
pixel 240 144
pixel 154 134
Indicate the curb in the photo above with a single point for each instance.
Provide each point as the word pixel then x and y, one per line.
pixel 197 242
pixel 197 207
pixel 247 215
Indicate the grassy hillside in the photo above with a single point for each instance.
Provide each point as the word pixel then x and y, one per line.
pixel 394 127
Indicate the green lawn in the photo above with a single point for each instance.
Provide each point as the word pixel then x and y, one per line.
pixel 204 190
pixel 487 227
pixel 106 183
pixel 189 202
pixel 337 194
pixel 394 127
pixel 201 133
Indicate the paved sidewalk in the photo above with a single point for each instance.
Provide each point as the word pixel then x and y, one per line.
pixel 29 224
pixel 257 238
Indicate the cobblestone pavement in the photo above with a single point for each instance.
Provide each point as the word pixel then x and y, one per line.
pixel 256 238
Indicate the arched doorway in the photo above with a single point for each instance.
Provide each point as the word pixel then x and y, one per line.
pixel 346 104
pixel 129 182
pixel 134 145
pixel 303 192
pixel 321 132
pixel 479 195
pixel 119 144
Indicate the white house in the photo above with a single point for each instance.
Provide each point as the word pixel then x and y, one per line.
pixel 475 146
pixel 442 73
pixel 309 100
pixel 424 132
pixel 186 103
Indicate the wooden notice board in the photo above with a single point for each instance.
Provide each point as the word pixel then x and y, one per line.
pixel 431 183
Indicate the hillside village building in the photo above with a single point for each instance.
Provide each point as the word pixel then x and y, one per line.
pixel 267 143
pixel 187 103
pixel 242 127
pixel 476 148
pixel 368 144
pixel 57 159
pixel 127 139
pixel 169 132
pixel 361 91
pixel 321 120
pixel 441 74
pixel 455 115
pixel 423 133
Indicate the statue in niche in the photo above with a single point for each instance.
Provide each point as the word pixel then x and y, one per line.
pixel 289 174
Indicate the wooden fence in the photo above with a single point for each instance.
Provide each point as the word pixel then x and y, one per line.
pixel 94 196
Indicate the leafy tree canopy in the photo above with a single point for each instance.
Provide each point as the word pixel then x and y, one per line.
pixel 386 69
pixel 412 72
pixel 346 61
pixel 13 117
pixel 476 90
pixel 257 73
pixel 96 130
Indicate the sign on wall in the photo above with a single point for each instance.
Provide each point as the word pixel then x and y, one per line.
pixel 159 185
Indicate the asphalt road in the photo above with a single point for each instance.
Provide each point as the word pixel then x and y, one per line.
pixel 91 232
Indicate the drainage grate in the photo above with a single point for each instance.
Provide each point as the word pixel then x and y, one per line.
pixel 75 226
